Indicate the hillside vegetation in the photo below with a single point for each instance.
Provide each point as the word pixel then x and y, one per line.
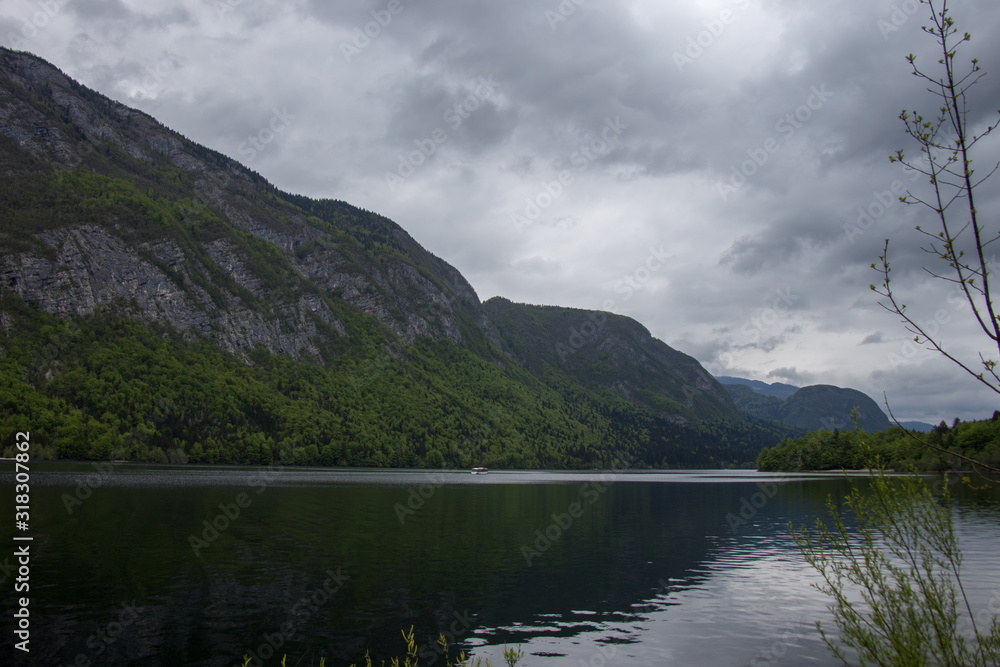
pixel 160 302
pixel 808 408
pixel 833 450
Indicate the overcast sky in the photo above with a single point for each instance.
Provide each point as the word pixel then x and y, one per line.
pixel 700 166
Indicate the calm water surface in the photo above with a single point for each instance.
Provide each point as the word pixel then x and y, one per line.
pixel 679 568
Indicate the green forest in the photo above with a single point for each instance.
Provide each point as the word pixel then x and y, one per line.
pixel 107 387
pixel 895 447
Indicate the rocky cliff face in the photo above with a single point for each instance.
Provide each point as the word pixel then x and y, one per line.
pixel 211 285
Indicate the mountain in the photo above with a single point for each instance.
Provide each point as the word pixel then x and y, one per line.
pixel 753 403
pixel 161 302
pixel 104 204
pixel 776 389
pixel 603 351
pixel 809 408
pixel 831 408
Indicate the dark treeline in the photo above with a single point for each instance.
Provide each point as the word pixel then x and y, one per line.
pixel 833 450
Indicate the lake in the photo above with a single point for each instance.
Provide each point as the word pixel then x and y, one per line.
pixel 186 565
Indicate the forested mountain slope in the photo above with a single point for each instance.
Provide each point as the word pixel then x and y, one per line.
pixel 810 408
pixel 159 301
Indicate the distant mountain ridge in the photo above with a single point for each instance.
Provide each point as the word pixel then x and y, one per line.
pixel 776 389
pixel 811 408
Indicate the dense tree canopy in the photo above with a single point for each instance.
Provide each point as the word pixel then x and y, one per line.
pixel 833 450
pixel 110 387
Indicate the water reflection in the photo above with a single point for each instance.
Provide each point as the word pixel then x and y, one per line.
pixel 652 568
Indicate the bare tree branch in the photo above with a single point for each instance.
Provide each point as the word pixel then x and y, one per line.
pixel 945 144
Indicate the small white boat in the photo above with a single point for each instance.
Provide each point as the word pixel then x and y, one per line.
pixel 480 471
